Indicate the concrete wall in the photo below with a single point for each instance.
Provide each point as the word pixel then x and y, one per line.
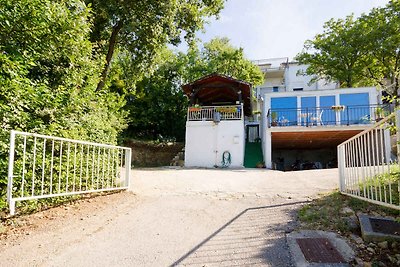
pixel 293 80
pixel 206 141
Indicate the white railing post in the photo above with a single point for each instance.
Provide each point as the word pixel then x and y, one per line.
pixel 388 148
pixel 10 201
pixel 128 160
pixel 341 165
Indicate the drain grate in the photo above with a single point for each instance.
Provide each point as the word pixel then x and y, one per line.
pixel 319 250
pixel 385 226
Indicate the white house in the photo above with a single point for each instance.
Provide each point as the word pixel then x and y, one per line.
pixel 296 124
pixel 302 122
pixel 215 133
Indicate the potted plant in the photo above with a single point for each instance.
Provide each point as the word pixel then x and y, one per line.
pixel 274 119
pixel 260 164
pixel 379 114
pixel 195 108
pixel 338 108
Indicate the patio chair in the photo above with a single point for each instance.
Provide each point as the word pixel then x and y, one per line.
pixel 317 118
pixel 283 121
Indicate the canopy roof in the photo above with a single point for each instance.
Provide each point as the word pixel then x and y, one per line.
pixel 216 89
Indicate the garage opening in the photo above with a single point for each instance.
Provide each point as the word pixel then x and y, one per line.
pixel 307 150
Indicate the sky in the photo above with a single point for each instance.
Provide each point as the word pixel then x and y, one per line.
pixel 278 28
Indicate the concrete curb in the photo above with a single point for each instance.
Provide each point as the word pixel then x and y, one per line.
pixel 368 233
pixel 297 255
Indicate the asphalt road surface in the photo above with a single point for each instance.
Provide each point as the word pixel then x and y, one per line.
pixel 173 217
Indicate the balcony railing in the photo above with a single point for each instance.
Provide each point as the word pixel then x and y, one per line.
pixel 326 116
pixel 215 113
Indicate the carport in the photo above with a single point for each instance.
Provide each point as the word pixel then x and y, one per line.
pixel 310 147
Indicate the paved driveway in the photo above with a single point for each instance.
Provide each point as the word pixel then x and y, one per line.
pixel 176 217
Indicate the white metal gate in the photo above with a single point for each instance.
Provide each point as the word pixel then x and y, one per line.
pixel 43 166
pixel 368 165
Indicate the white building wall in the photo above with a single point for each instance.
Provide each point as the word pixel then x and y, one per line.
pixel 374 99
pixel 271 82
pixel 206 142
pixel 294 79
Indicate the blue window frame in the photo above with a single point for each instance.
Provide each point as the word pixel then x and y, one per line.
pixel 283 110
pixel 357 109
pixel 308 109
pixel 275 89
pixel 328 115
pixel 309 102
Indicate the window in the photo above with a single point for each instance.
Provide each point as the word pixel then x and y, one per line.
pixel 284 109
pixel 357 108
pixel 308 109
pixel 275 89
pixel 297 89
pixel 329 115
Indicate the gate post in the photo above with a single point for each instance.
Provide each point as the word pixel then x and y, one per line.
pixel 128 160
pixel 341 165
pixel 11 202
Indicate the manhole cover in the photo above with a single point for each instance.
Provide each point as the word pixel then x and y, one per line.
pixel 319 250
pixel 385 226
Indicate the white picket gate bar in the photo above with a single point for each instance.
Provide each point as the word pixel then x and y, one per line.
pixel 42 166
pixel 368 168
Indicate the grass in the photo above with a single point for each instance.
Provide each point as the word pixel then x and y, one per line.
pixel 383 187
pixel 327 213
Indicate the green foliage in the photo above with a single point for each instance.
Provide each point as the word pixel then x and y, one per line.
pixel 157 104
pixel 157 108
pixel 383 186
pixel 219 56
pixel 358 52
pixel 335 54
pixel 326 212
pixel 144 27
pixel 48 76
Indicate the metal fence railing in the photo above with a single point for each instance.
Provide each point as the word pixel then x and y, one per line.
pixel 43 166
pixel 212 113
pixel 368 164
pixel 325 116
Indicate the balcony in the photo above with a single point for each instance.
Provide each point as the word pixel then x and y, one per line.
pixel 327 116
pixel 215 113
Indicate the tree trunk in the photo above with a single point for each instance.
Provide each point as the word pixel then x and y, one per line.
pixel 111 46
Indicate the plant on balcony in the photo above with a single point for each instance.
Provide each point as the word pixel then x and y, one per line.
pixel 226 109
pixel 274 118
pixel 195 108
pixel 379 114
pixel 338 108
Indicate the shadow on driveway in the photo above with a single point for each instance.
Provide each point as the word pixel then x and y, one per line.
pixel 256 236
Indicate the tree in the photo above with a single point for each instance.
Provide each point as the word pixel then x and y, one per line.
pixel 158 106
pixel 48 76
pixel 219 56
pixel 358 52
pixel 335 54
pixel 143 27
pixel 381 28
